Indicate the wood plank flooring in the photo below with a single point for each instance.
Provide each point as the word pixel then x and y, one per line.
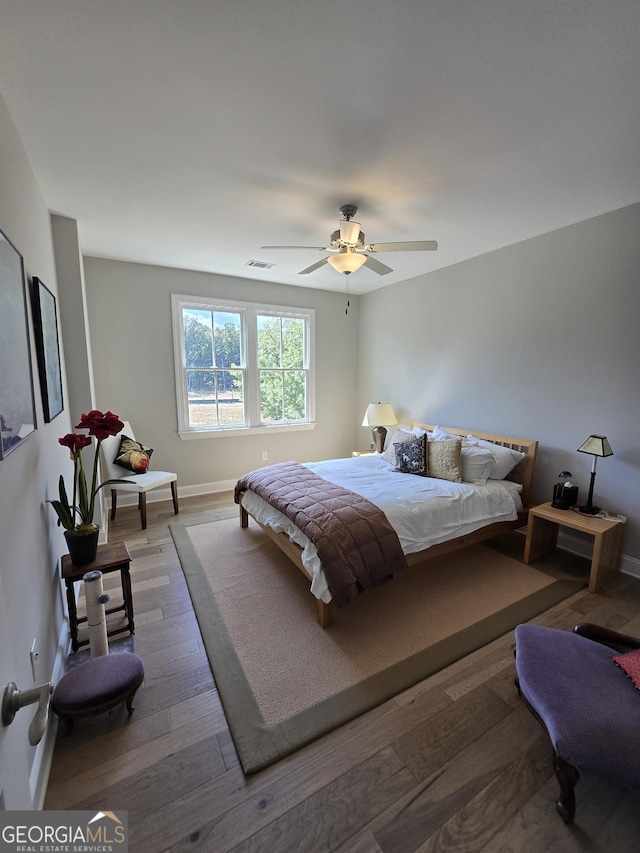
pixel 456 763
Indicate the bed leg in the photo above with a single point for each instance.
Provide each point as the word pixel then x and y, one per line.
pixel 324 613
pixel 244 517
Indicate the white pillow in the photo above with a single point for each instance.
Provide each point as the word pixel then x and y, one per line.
pixel 440 434
pixel 477 464
pixel 399 435
pixel 506 458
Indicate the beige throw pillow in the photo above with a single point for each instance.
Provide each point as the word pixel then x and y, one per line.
pixel 445 460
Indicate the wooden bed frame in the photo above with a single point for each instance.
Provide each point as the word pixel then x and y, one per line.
pixel 522 473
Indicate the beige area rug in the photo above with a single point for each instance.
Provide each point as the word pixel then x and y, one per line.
pixel 284 681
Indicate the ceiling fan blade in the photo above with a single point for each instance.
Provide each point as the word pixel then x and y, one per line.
pixel 411 246
pixel 317 248
pixel 313 267
pixel 375 265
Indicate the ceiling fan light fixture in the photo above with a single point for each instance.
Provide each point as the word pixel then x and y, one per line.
pixel 347 262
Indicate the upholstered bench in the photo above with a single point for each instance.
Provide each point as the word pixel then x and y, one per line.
pixel 588 704
pixel 98 685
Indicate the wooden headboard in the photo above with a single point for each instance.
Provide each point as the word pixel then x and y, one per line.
pixel 523 472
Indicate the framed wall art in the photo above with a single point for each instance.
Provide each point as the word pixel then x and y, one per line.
pixel 17 405
pixel 45 324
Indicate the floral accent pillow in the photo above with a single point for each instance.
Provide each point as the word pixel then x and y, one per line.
pixel 411 456
pixel 133 456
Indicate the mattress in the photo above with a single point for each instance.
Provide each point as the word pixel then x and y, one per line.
pixel 424 511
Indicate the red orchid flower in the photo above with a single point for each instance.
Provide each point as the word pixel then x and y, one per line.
pixel 75 443
pixel 99 424
pixel 82 503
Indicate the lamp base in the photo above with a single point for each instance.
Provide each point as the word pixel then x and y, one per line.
pixel 589 510
pixel 379 434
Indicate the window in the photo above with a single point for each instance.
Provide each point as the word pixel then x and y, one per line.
pixel 242 366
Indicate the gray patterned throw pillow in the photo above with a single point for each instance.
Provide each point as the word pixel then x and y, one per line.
pixel 411 456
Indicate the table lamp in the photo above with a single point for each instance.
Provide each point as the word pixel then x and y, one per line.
pixel 596 445
pixel 376 415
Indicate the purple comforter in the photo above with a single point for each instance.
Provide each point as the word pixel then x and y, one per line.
pixel 356 545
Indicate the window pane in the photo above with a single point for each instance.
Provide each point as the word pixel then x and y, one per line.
pixel 271 394
pixel 226 336
pixel 230 397
pixel 215 397
pixel 295 398
pixel 269 342
pixel 198 349
pixel 293 343
pixel 201 395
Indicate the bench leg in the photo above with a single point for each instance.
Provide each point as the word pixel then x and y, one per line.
pixel 129 701
pixel 114 501
pixel 174 495
pixel 567 776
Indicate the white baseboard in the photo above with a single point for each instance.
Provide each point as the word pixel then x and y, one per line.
pixel 583 548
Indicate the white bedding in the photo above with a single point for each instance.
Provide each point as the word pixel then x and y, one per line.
pixel 454 509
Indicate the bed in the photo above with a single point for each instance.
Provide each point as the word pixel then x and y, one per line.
pixel 432 515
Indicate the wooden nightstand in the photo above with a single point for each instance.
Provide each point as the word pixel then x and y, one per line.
pixel 363 452
pixel 542 537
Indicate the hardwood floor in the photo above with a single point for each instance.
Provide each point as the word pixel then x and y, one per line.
pixel 456 763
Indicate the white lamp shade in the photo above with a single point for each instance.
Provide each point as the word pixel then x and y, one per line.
pixel 347 262
pixel 597 445
pixel 379 414
pixel 349 232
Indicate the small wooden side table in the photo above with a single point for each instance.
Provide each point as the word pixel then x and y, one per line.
pixel 542 537
pixel 113 557
pixel 363 453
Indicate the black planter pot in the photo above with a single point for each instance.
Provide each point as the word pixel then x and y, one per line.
pixel 83 544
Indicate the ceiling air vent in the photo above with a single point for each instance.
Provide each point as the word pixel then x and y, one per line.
pixel 261 265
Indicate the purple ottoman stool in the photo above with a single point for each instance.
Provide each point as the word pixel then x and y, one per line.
pixel 98 685
pixel 588 705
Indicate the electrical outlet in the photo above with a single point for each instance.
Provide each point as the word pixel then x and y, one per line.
pixel 33 655
pixel 264 455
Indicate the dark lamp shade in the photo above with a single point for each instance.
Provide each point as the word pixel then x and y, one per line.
pixel 596 445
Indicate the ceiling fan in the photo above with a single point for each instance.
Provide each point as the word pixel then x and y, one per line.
pixel 350 250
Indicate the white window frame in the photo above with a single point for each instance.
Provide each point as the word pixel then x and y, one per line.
pixel 250 312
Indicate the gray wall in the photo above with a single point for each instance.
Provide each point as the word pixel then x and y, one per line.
pixel 30 542
pixel 538 340
pixel 131 337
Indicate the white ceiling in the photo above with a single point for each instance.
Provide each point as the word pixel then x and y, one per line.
pixel 188 133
